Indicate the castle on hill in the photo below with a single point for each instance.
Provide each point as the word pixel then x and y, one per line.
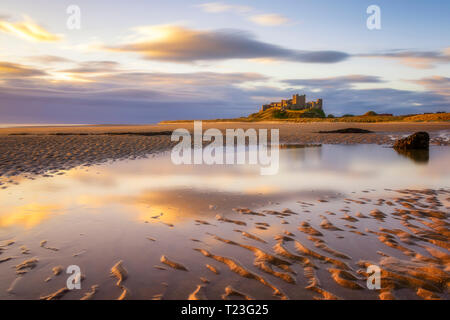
pixel 298 102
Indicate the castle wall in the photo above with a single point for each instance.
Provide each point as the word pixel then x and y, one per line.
pixel 298 102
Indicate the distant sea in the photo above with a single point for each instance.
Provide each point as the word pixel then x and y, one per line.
pixel 24 125
pixel 20 125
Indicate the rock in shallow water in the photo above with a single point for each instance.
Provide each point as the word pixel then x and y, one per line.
pixel 416 141
pixel 348 130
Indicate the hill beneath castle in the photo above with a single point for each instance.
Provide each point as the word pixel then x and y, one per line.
pixel 278 114
pixel 317 115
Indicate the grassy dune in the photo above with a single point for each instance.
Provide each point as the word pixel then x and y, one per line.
pixel 314 115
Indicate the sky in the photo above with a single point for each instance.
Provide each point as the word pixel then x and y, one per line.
pixel 146 61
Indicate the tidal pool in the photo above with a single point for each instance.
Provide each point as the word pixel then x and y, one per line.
pixel 136 211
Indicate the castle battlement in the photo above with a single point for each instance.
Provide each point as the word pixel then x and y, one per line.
pixel 298 102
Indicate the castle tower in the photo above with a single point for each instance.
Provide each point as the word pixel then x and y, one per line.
pixel 319 103
pixel 298 100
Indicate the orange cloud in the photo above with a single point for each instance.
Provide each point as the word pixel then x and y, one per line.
pixel 218 7
pixel 438 84
pixel 17 70
pixel 28 30
pixel 179 44
pixel 269 19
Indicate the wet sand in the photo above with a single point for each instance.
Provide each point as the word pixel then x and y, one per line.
pixel 169 243
pixel 320 253
pixel 285 128
pixel 41 150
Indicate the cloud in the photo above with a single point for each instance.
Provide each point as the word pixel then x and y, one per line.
pixel 126 98
pixel 415 59
pixel 383 100
pixel 204 79
pixel 28 30
pixel 123 97
pixel 179 44
pixel 218 7
pixel 143 97
pixel 48 59
pixel 333 82
pixel 31 95
pixel 13 70
pixel 324 56
pixel 92 80
pixel 269 19
pixel 94 67
pixel 149 105
pixel 340 95
pixel 438 84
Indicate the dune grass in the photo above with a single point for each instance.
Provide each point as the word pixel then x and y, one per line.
pixel 315 115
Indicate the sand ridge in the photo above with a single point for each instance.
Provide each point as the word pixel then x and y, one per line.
pixel 413 253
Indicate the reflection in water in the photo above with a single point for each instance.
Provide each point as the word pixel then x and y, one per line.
pixel 418 156
pixel 28 216
pixel 305 154
pixel 109 213
pixel 298 146
pixel 182 204
pixel 191 189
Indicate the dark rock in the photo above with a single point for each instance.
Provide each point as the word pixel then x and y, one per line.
pixel 416 141
pixel 418 156
pixel 348 130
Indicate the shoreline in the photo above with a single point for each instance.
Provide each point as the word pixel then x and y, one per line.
pixel 325 237
pixel 305 126
pixel 310 237
pixel 49 150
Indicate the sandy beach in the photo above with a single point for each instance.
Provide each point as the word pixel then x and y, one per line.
pixel 285 128
pixel 39 150
pixel 109 200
